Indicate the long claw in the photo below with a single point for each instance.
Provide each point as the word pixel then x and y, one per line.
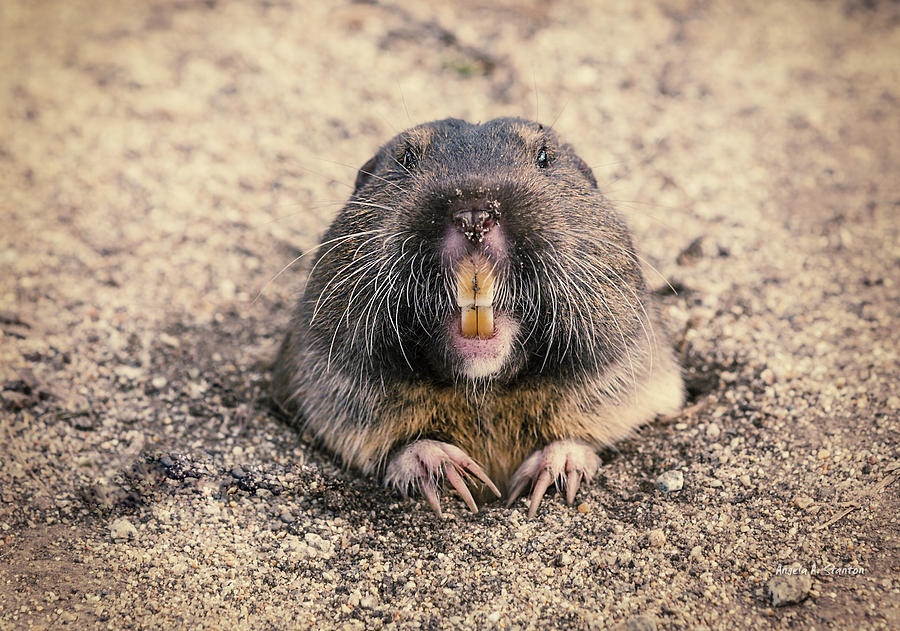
pixel 421 465
pixel 537 494
pixel 516 491
pixel 567 462
pixel 480 473
pixel 430 493
pixel 460 485
pixel 572 482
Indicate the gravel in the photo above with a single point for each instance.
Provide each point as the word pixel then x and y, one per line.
pixel 162 162
pixel 638 623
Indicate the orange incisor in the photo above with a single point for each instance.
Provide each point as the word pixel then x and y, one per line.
pixel 475 296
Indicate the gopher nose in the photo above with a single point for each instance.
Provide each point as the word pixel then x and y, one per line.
pixel 475 218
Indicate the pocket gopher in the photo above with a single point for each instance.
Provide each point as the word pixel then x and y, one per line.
pixel 476 312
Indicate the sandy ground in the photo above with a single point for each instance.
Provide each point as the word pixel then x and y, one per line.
pixel 162 161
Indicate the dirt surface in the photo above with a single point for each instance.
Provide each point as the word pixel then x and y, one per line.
pixel 161 162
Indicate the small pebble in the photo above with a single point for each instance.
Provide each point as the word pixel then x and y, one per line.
pixel 657 538
pixel 788 589
pixel 608 559
pixel 584 508
pixel 713 430
pixel 227 289
pixel 122 530
pixel 323 546
pixel 168 340
pixel 803 502
pixel 564 559
pixel 670 481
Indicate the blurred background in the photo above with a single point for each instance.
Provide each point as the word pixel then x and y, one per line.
pixel 195 138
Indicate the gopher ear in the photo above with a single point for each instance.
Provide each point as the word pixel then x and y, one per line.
pixel 364 173
pixel 586 171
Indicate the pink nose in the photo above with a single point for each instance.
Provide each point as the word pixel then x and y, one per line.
pixel 475 219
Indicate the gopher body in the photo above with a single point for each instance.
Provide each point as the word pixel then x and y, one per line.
pixel 475 315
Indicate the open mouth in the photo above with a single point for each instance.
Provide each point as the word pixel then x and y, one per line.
pixel 481 338
pixel 475 297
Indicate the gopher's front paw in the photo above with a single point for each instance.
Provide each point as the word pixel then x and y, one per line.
pixel 422 464
pixel 566 462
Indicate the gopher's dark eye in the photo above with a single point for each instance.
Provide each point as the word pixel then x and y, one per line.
pixel 543 158
pixel 409 160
